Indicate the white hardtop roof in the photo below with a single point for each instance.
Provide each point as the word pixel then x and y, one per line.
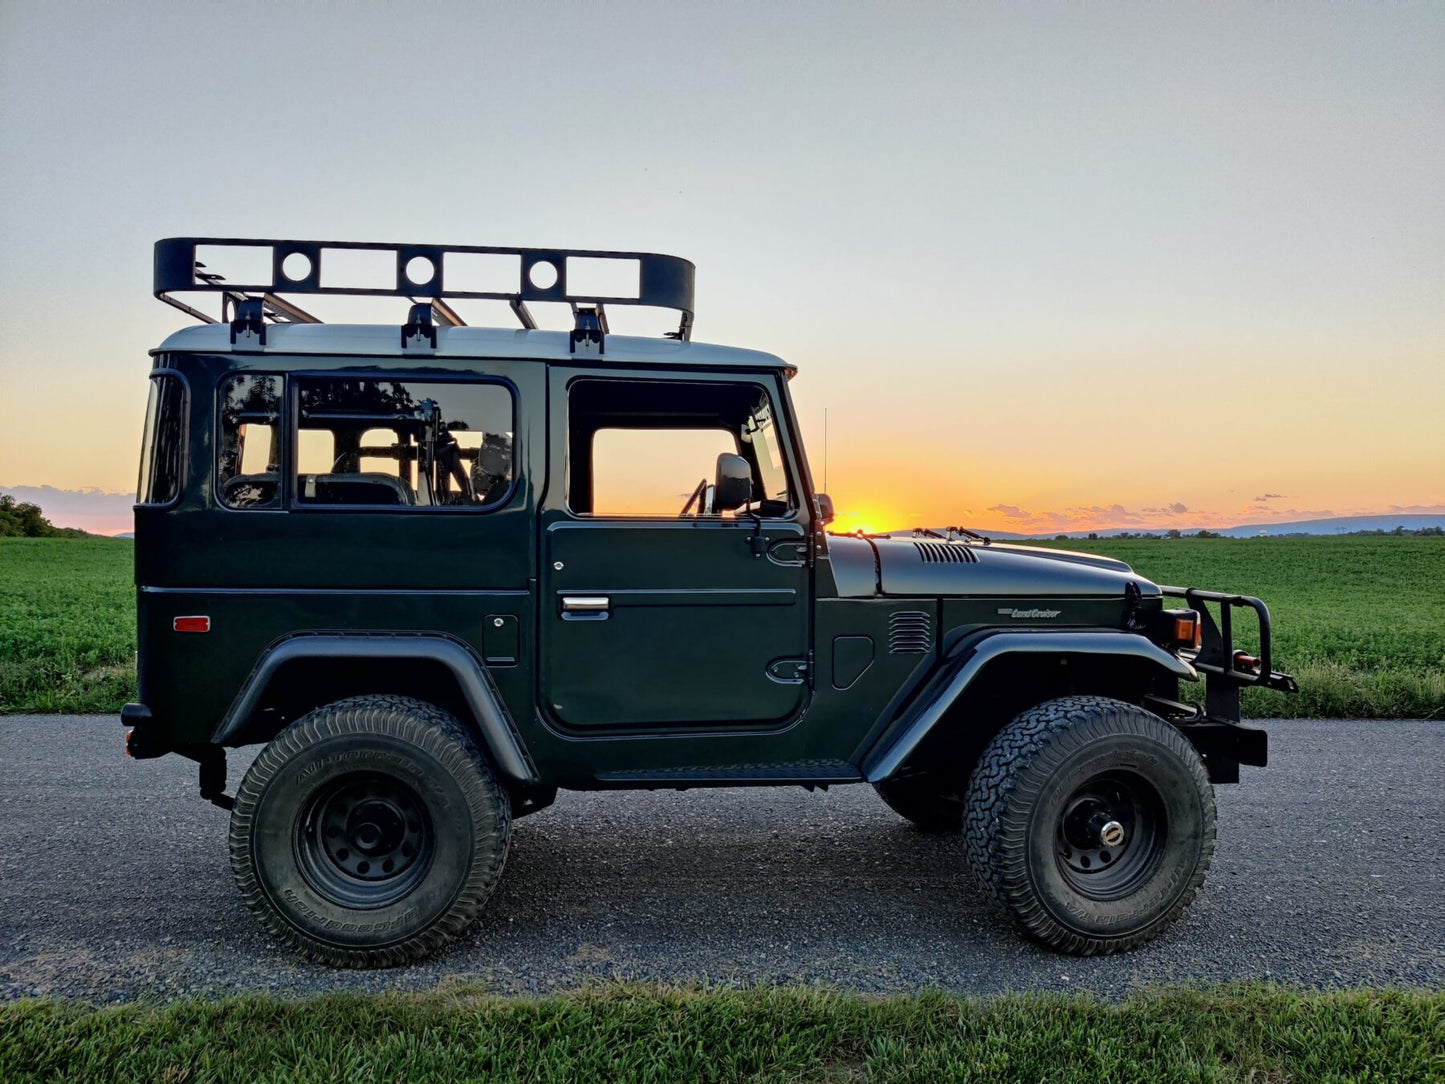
pixel 384 340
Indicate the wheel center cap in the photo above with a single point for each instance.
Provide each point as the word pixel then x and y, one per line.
pixel 376 827
pixel 1111 834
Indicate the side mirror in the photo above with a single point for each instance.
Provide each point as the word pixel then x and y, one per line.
pixel 825 508
pixel 734 485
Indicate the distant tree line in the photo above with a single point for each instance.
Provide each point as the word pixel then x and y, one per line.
pixel 20 519
pixel 1402 532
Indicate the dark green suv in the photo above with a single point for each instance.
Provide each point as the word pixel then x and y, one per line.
pixel 441 571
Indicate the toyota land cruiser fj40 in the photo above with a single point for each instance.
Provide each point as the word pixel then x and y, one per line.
pixel 404 558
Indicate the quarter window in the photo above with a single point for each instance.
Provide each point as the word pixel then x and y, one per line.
pixel 248 473
pixel 403 443
pixel 160 455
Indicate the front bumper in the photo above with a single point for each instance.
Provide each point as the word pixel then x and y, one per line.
pixel 1227 671
pixel 1215 729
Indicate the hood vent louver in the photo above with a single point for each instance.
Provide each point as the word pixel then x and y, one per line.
pixel 910 632
pixel 945 553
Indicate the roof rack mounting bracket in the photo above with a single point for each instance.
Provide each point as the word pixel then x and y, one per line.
pixel 420 330
pixel 248 329
pixel 589 335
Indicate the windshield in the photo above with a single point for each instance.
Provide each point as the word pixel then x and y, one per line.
pixel 759 432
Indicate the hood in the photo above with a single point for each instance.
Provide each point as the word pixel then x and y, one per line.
pixel 919 566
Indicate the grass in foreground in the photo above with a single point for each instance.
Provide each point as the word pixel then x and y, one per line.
pixel 1360 621
pixel 632 1033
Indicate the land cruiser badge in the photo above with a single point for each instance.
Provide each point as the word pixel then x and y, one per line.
pixel 1024 615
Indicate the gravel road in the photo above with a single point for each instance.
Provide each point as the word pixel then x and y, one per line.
pixel 114 885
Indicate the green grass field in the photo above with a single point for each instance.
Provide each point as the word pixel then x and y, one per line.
pixel 1360 621
pixel 67 624
pixel 637 1034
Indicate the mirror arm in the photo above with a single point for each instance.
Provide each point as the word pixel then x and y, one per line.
pixel 757 541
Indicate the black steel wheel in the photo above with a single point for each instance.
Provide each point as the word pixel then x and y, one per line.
pixel 1092 821
pixel 369 832
pixel 1110 835
pixel 365 840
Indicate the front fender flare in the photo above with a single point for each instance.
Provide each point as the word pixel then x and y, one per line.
pixel 970 658
pixel 497 731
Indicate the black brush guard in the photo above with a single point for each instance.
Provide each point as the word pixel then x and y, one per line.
pixel 1214 730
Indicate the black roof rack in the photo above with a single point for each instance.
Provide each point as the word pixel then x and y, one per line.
pixel 299 267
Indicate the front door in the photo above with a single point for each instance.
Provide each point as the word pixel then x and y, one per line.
pixel 654 618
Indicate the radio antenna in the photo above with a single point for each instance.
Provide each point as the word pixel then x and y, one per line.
pixel 825 449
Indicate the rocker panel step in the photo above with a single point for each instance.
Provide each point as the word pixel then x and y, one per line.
pixel 799 771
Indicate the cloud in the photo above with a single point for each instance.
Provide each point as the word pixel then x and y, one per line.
pixel 1176 509
pixel 1104 515
pixel 90 509
pixel 1012 511
pixel 1270 497
pixel 1418 509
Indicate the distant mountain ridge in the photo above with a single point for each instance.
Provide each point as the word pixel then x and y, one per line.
pixel 1411 521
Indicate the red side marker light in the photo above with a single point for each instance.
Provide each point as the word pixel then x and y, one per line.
pixel 191 624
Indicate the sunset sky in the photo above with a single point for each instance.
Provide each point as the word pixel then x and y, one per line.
pixel 1047 266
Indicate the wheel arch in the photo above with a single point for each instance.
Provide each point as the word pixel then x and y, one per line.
pixel 306 670
pixel 986 680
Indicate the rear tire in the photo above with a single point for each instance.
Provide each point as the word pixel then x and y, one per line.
pixel 924 801
pixel 1092 822
pixel 369 832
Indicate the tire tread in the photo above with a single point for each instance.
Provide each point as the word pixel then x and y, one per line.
pixel 1003 791
pixel 423 725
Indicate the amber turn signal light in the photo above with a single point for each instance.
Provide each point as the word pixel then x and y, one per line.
pixel 1187 629
pixel 1179 629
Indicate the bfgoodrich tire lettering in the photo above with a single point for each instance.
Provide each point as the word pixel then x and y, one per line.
pixel 404 780
pixel 1048 790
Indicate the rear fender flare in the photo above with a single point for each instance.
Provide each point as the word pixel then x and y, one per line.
pixel 973 656
pixel 495 725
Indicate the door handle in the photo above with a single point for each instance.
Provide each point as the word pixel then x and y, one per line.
pixel 592 605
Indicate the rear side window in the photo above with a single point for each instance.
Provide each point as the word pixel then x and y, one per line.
pixel 160 454
pixel 403 443
pixel 248 471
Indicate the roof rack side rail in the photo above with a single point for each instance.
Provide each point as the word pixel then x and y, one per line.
pixel 299 267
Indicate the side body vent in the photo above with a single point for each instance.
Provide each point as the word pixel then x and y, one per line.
pixel 910 632
pixel 945 553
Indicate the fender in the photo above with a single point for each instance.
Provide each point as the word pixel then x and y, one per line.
pixel 966 661
pixel 501 737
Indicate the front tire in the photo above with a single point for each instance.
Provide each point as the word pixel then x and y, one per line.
pixel 1092 822
pixel 369 832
